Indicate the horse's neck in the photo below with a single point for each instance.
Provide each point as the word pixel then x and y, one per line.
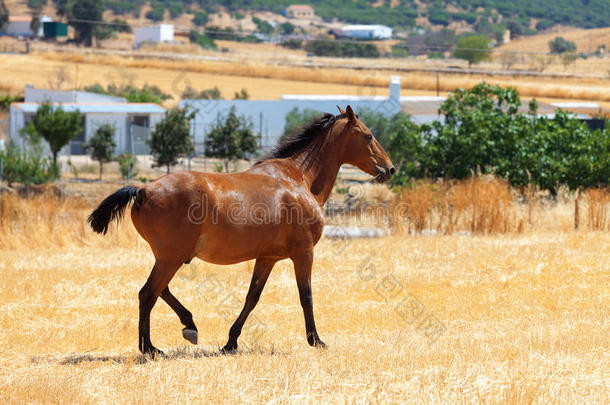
pixel 320 178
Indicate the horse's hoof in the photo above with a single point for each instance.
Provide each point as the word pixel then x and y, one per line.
pixel 154 353
pixel 190 335
pixel 229 349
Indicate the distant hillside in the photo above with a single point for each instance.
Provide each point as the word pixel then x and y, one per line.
pixel 487 17
pixel 532 14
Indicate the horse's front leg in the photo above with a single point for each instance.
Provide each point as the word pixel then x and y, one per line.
pixel 302 268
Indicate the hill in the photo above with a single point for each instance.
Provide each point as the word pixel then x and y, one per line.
pixel 520 16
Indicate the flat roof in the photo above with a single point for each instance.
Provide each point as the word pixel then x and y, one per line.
pixel 100 108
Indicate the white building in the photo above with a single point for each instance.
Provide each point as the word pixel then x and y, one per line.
pixel 133 122
pixel 367 31
pixel 269 116
pixel 19 25
pixel 156 34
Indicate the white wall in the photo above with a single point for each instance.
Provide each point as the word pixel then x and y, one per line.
pixel 158 33
pixel 94 121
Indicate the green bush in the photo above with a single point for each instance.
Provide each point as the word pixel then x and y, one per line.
pixel 560 45
pixel 127 165
pixel 342 49
pixel 202 40
pixel 292 44
pixel 25 166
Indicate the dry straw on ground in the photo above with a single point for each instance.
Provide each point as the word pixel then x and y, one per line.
pixel 523 316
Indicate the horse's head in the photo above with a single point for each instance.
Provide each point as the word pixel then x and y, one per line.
pixel 362 150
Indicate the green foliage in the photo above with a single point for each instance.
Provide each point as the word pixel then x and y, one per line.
pixel 472 48
pixel 101 145
pixel 25 167
pixel 145 94
pixel 54 125
pixel 156 12
pixel 202 40
pixel 231 139
pixel 483 131
pixel 286 28
pixel 171 138
pixel 176 9
pixel 7 99
pixel 127 165
pixel 241 95
pixel 383 127
pixel 201 18
pixel 292 44
pixel 438 16
pixel 342 49
pixel 4 14
pixel 263 26
pixel 295 119
pixel 560 45
pixel 208 94
pixel 83 15
pixel 493 31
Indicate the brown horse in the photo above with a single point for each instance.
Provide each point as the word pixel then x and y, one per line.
pixel 270 212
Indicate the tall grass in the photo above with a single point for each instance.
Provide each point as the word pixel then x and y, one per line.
pixel 488 205
pixel 598 204
pixel 53 219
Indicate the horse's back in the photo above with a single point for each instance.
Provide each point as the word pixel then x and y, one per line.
pixel 226 218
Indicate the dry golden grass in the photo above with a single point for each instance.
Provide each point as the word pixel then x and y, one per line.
pixel 585 40
pixel 265 79
pixel 523 317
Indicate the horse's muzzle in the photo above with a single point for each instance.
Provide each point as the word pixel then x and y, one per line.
pixel 384 173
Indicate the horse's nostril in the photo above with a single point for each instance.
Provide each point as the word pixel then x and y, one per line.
pixel 392 170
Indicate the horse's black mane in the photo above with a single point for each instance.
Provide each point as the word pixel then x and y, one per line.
pixel 308 139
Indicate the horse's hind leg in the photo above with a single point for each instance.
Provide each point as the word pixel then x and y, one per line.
pixel 262 268
pixel 190 330
pixel 158 280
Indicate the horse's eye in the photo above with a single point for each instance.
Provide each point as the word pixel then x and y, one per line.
pixel 369 137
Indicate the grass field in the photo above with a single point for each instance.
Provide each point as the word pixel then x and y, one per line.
pixel 517 318
pixel 267 80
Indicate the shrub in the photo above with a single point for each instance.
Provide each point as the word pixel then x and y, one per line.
pixel 25 166
pixel 127 165
pixel 560 45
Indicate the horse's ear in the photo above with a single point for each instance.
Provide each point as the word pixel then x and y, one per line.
pixel 350 113
pixel 340 110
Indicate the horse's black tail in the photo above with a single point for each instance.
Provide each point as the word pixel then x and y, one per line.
pixel 112 208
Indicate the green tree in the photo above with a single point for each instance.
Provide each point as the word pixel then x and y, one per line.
pixel 296 119
pixel 263 26
pixel 3 16
pixel 171 138
pixel 127 165
pixel 231 139
pixel 241 95
pixel 200 18
pixel 86 18
pixel 286 28
pixel 54 125
pixel 560 45
pixel 101 145
pixel 472 48
pixel 24 166
pixel 190 93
